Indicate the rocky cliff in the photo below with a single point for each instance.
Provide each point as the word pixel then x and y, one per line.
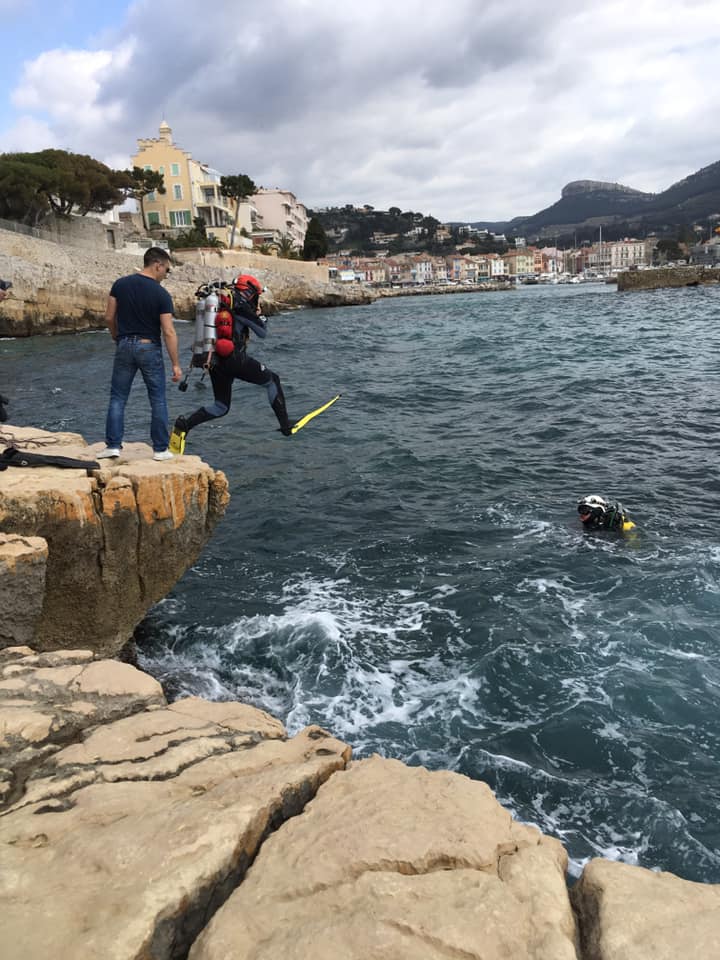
pixel 134 829
pixel 85 553
pixel 62 289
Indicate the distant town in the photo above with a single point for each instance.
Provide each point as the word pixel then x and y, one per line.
pixel 522 262
pixel 176 201
pixel 275 221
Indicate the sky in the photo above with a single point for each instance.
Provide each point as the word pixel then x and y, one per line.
pixel 474 110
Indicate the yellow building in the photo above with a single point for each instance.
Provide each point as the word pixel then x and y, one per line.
pixel 192 189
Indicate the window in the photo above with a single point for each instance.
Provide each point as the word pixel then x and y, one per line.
pixel 147 167
pixel 177 191
pixel 175 169
pixel 151 197
pixel 180 218
pixel 161 170
pixel 153 219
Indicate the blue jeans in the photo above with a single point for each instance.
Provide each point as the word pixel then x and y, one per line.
pixel 130 356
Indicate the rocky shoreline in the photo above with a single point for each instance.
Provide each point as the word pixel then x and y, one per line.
pixel 62 289
pixel 136 829
pixel 86 553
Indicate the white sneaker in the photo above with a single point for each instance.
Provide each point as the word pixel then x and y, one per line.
pixel 107 453
pixel 163 455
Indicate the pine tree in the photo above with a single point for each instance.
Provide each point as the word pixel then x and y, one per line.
pixel 316 241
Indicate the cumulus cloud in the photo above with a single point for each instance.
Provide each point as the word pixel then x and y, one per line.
pixel 466 112
pixel 65 86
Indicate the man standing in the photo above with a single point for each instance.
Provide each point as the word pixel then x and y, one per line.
pixel 139 311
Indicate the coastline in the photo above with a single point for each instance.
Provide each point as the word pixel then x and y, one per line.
pixel 138 828
pixel 62 289
pixel 145 829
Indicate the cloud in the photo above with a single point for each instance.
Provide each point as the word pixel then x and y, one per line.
pixel 65 86
pixel 467 112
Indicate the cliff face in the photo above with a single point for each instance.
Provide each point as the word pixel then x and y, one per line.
pixel 84 555
pixel 127 826
pixel 578 187
pixel 62 289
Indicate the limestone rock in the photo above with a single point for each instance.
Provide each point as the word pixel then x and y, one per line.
pixel 22 586
pixel 58 288
pixel 118 540
pixel 629 913
pixel 119 839
pixel 395 862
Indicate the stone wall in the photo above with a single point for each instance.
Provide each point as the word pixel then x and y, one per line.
pixel 228 263
pixel 667 277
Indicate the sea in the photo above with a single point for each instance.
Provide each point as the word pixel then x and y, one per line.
pixel 409 570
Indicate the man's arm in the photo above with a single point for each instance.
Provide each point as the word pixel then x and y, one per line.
pixel 251 319
pixel 111 316
pixel 171 344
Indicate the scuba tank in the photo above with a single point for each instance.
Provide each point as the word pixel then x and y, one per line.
pixel 199 354
pixel 211 309
pixel 204 339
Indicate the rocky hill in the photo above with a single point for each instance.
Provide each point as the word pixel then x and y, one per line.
pixel 585 205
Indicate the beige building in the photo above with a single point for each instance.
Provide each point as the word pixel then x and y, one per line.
pixel 280 214
pixel 192 190
pixel 627 253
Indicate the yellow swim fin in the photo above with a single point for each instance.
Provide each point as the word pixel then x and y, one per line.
pixel 177 442
pixel 303 421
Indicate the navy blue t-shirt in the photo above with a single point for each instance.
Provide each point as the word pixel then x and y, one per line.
pixel 140 301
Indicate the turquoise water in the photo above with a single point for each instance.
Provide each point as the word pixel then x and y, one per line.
pixel 409 571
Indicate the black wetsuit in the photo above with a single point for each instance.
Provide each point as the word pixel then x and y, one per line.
pixel 239 366
pixel 611 518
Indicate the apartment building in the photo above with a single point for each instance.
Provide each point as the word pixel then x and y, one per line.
pixel 192 189
pixel 627 253
pixel 280 214
pixel 422 270
pixel 374 271
pixel 520 262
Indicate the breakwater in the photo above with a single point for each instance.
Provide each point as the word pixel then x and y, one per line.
pixel 690 276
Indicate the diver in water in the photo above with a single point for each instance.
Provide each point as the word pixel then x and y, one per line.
pixel 229 361
pixel 597 513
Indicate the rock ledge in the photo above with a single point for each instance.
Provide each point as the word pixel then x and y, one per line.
pixel 134 829
pixel 85 554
